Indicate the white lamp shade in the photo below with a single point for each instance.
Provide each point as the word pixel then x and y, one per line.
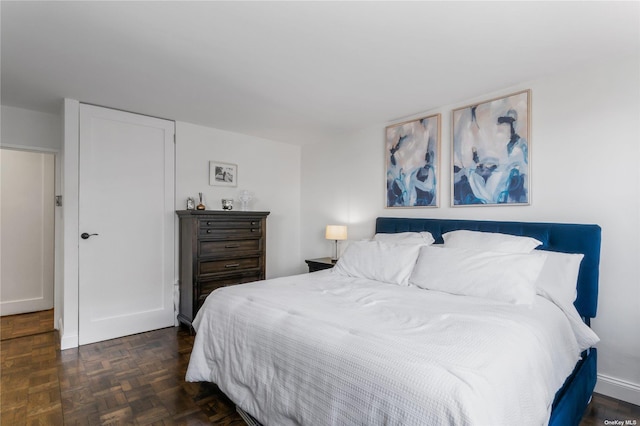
pixel 336 232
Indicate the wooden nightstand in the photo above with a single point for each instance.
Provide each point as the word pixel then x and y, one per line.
pixel 320 263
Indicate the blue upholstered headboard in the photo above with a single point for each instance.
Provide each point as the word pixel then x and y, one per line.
pixel 563 237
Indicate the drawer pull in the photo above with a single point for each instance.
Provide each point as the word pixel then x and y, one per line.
pixel 232 246
pixel 209 223
pixel 253 222
pixel 232 265
pixel 253 229
pixel 209 231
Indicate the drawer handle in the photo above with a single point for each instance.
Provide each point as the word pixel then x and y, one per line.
pixel 253 222
pixel 232 265
pixel 253 229
pixel 209 231
pixel 232 246
pixel 209 223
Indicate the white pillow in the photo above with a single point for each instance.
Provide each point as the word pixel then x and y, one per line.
pixel 507 277
pixel 424 238
pixel 490 241
pixel 374 260
pixel 559 277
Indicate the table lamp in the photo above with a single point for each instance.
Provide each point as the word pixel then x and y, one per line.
pixel 336 232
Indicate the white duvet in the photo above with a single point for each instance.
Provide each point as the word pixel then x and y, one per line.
pixel 323 349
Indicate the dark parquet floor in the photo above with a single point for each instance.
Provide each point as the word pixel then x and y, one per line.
pixel 134 380
pixel 138 380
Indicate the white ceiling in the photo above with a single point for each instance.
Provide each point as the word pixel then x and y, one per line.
pixel 298 72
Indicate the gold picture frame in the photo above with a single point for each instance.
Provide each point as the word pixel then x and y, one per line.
pixel 412 163
pixel 490 152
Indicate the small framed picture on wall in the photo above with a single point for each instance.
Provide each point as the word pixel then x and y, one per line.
pixel 223 174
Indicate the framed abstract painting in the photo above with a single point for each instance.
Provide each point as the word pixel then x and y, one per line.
pixel 412 157
pixel 490 152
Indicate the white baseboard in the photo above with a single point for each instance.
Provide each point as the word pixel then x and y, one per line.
pixel 619 389
pixel 15 307
pixel 67 342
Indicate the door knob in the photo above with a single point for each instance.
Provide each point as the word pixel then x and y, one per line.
pixel 86 236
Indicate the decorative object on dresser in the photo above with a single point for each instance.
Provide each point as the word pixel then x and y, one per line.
pixel 227 204
pixel 336 233
pixel 245 197
pixel 320 263
pixel 191 203
pixel 217 249
pixel 201 204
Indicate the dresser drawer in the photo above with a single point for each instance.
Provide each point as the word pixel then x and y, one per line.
pixel 228 248
pixel 230 223
pixel 228 265
pixel 230 234
pixel 230 229
pixel 207 286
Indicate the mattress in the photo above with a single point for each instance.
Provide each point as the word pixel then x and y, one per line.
pixel 326 349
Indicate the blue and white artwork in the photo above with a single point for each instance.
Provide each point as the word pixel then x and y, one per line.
pixel 412 152
pixel 490 153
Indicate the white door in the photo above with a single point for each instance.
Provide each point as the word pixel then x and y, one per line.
pixel 27 228
pixel 126 205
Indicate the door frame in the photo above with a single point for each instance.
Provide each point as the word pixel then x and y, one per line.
pixel 57 224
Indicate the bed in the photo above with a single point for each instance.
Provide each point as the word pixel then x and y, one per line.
pixel 339 347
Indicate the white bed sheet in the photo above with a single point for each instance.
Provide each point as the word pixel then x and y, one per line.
pixel 324 349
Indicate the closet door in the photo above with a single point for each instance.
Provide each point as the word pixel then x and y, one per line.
pixel 126 222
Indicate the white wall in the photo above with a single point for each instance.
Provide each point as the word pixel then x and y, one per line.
pixel 31 129
pixel 269 170
pixel 585 148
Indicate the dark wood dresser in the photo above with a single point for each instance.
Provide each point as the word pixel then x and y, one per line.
pixel 217 249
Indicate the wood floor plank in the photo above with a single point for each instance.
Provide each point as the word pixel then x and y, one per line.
pixel 12 326
pixel 138 380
